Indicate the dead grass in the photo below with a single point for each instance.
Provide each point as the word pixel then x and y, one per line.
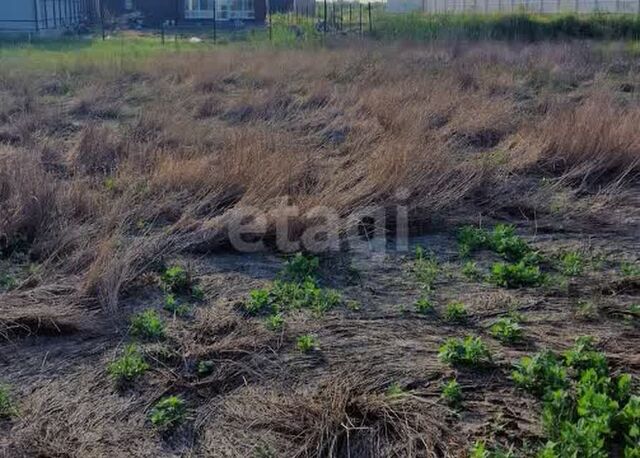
pixel 596 141
pixel 106 174
pixel 339 128
pixel 347 416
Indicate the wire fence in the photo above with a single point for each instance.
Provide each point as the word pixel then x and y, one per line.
pixel 310 20
pixel 514 6
pixel 305 19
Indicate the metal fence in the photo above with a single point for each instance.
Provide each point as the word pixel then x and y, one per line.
pixel 334 16
pixel 513 6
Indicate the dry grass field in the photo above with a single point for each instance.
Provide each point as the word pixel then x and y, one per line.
pixel 120 186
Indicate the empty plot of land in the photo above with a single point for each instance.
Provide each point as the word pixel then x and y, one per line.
pixel 132 325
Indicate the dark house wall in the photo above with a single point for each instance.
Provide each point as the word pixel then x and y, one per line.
pixel 158 11
pixel 281 6
pixel 114 7
pixel 260 7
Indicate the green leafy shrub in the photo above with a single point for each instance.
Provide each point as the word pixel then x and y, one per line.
pixel 275 322
pixel 452 393
pixel 540 373
pixel 292 296
pixel 456 312
pixel 502 240
pixel 110 184
pixel 7 409
pixel 129 366
pixel 558 408
pixel 629 423
pixel 582 411
pixel 425 268
pixel 630 269
pixel 148 325
pixel 471 271
pixel 197 292
pixel 172 304
pixel 470 239
pixel 480 450
pixel 354 306
pixel 176 279
pixel 622 391
pixel 516 275
pixel 424 305
pixel 8 281
pixel 300 267
pixel 168 413
pixel 506 330
pixel 260 301
pixel 471 351
pixel 205 368
pixel 306 343
pixel 304 295
pixel 395 391
pixel 296 289
pixel 572 263
pixel 584 356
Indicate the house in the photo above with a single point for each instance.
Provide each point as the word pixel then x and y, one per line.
pixel 42 16
pixel 232 12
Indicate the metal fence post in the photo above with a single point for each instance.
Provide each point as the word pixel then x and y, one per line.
pixel 35 10
pixel 215 22
pixel 101 7
pixel 333 14
pixel 270 22
pixel 325 17
pixel 370 23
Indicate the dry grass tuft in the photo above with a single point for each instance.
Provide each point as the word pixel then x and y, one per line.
pixel 594 142
pixel 346 415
